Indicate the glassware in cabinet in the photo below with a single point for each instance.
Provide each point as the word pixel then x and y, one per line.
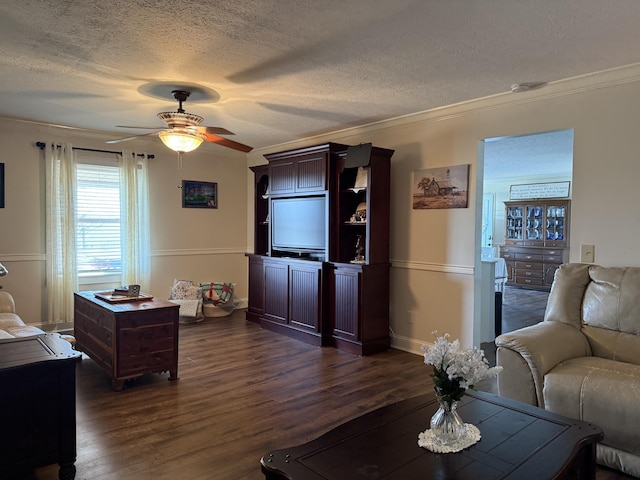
pixel 514 223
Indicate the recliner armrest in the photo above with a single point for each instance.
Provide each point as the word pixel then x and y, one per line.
pixel 542 347
pixel 7 305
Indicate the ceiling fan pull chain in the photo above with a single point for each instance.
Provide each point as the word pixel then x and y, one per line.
pixel 179 169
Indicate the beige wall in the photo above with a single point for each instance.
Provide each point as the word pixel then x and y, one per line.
pixel 434 253
pixel 198 244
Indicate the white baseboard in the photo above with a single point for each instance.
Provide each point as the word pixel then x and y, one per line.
pixel 407 344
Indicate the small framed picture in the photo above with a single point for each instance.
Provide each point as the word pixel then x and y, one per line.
pixel 199 194
pixel 443 187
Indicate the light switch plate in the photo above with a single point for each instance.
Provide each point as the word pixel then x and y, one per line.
pixel 587 253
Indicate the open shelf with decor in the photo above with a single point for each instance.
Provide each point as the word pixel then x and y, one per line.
pixel 261 210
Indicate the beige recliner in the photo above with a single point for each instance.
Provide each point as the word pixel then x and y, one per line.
pixel 11 325
pixel 583 360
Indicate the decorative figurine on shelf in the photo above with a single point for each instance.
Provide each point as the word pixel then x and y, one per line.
pixel 361 214
pixel 359 250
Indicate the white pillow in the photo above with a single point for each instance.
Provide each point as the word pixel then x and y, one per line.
pixel 185 290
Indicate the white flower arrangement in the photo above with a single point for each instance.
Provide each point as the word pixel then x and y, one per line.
pixel 456 369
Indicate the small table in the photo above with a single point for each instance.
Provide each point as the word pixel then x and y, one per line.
pixel 38 402
pixel 127 339
pixel 518 442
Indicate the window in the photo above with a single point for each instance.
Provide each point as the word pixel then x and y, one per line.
pixel 98 220
pixel 91 238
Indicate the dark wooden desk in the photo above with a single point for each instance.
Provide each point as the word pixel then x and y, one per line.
pixel 38 405
pixel 127 339
pixel 519 442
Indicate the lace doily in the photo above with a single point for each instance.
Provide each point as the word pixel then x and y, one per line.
pixel 428 440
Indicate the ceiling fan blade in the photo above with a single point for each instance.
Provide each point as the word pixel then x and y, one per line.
pixel 214 130
pixel 225 142
pixel 156 127
pixel 126 139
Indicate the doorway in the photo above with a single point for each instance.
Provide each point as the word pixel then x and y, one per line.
pixel 502 162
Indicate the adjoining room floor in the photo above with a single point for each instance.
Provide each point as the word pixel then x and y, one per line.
pixel 521 307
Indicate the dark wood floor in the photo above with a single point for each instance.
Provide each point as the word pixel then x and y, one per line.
pixel 242 392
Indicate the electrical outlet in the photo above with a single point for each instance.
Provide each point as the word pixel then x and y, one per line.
pixel 587 253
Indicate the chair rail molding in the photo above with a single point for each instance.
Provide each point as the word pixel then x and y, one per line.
pixel 433 267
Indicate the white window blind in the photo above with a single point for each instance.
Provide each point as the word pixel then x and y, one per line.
pixel 98 222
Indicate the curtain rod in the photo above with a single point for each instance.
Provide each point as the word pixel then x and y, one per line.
pixel 41 146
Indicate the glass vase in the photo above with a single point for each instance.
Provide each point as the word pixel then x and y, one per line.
pixel 446 424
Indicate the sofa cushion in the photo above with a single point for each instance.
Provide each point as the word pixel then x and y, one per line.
pixel 567 291
pixel 8 320
pixel 600 391
pixel 4 335
pixel 611 313
pixel 25 331
pixel 11 325
pixel 624 347
pixel 611 299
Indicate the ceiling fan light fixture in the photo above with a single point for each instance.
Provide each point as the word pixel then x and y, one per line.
pixel 180 142
pixel 180 119
pixel 183 132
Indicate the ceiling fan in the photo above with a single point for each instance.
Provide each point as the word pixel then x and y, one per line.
pixel 183 132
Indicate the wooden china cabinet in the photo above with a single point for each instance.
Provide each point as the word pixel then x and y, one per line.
pixel 323 275
pixel 536 241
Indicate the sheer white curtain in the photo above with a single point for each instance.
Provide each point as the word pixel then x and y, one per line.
pixel 134 220
pixel 60 231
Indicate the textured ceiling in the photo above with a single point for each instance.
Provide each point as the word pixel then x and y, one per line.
pixel 278 70
pixel 541 154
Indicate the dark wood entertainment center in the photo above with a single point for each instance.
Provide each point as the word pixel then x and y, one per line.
pixel 334 289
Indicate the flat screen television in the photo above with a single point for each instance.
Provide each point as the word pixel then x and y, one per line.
pixel 299 225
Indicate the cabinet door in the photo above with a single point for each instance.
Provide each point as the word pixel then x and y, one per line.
pixel 276 297
pixel 311 173
pixel 557 228
pixel 534 232
pixel 302 174
pixel 282 175
pixel 514 227
pixel 304 295
pixel 346 303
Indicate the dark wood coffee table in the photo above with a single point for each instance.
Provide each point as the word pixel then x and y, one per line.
pixel 518 442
